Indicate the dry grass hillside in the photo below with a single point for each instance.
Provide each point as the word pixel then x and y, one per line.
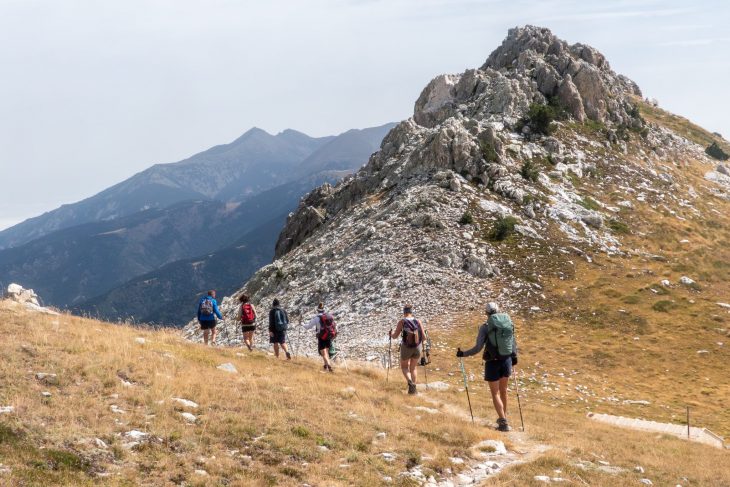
pixel 282 423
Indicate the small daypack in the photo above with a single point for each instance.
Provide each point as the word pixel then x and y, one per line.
pixel 281 323
pixel 500 341
pixel 206 307
pixel 412 333
pixel 248 317
pixel 327 327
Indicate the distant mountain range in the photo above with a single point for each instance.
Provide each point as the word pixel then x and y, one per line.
pixel 226 204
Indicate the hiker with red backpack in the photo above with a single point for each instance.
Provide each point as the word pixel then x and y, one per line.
pixel 412 334
pixel 207 311
pixel 497 337
pixel 278 326
pixel 247 314
pixel 326 330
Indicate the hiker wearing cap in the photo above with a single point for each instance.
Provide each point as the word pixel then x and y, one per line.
pixel 207 312
pixel 497 337
pixel 411 332
pixel 326 330
pixel 247 314
pixel 278 325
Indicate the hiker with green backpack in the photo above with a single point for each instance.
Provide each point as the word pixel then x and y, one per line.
pixel 278 326
pixel 412 335
pixel 326 330
pixel 497 337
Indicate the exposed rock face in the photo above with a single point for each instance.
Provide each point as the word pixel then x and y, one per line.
pixel 17 293
pixel 26 297
pixel 417 223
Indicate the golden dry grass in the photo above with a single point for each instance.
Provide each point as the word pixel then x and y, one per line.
pixel 296 423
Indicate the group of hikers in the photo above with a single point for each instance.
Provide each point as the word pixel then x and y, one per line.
pixel 496 336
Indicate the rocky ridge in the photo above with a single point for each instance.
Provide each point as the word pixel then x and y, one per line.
pixel 417 223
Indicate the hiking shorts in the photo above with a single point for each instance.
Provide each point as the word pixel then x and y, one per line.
pixel 207 324
pixel 248 328
pixel 407 353
pixel 322 344
pixel 496 369
pixel 278 337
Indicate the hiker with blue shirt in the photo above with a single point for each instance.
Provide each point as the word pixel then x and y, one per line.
pixel 278 326
pixel 497 337
pixel 207 312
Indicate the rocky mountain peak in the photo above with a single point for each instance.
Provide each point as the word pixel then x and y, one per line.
pixel 533 65
pixel 422 221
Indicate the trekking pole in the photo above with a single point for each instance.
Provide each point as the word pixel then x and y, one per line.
pixel 466 387
pixel 390 344
pixel 519 405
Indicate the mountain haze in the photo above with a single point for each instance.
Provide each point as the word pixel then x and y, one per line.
pixel 174 212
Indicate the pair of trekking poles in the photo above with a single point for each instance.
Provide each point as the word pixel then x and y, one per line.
pixel 466 388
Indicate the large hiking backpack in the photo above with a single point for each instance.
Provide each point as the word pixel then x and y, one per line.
pixel 500 340
pixel 412 333
pixel 248 317
pixel 327 327
pixel 206 307
pixel 281 323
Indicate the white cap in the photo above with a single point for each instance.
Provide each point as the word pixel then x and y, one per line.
pixel 492 308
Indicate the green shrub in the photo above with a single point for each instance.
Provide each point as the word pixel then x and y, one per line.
pixel 488 151
pixel 530 171
pixel 503 228
pixel 618 226
pixel 540 118
pixel 301 432
pixel 714 150
pixel 664 306
pixel 466 218
pixel 589 204
pixel 61 459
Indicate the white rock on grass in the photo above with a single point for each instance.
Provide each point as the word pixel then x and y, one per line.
pixel 140 340
pixel 542 478
pixel 639 469
pixel 388 457
pixel 646 482
pixel 136 435
pixel 4 470
pixel 6 409
pixel 228 367
pixel 189 417
pixel 185 402
pixel 100 443
pixel 686 281
pixel 491 448
pixel 434 386
pixel 202 473
pixel 46 394
pixel 724 305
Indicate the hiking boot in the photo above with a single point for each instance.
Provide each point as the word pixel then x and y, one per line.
pixel 502 425
pixel 329 368
pixel 412 388
pixel 288 356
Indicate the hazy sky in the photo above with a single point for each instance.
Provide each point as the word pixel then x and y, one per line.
pixel 93 91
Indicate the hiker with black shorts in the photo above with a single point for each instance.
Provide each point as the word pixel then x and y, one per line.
pixel 497 337
pixel 247 314
pixel 412 334
pixel 207 312
pixel 278 325
pixel 326 330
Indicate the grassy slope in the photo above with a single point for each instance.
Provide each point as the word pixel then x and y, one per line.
pixel 276 412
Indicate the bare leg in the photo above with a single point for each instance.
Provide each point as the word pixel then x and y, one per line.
pixel 405 369
pixel 286 350
pixel 496 399
pixel 276 350
pixel 503 382
pixel 205 336
pixel 326 356
pixel 413 367
pixel 212 336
